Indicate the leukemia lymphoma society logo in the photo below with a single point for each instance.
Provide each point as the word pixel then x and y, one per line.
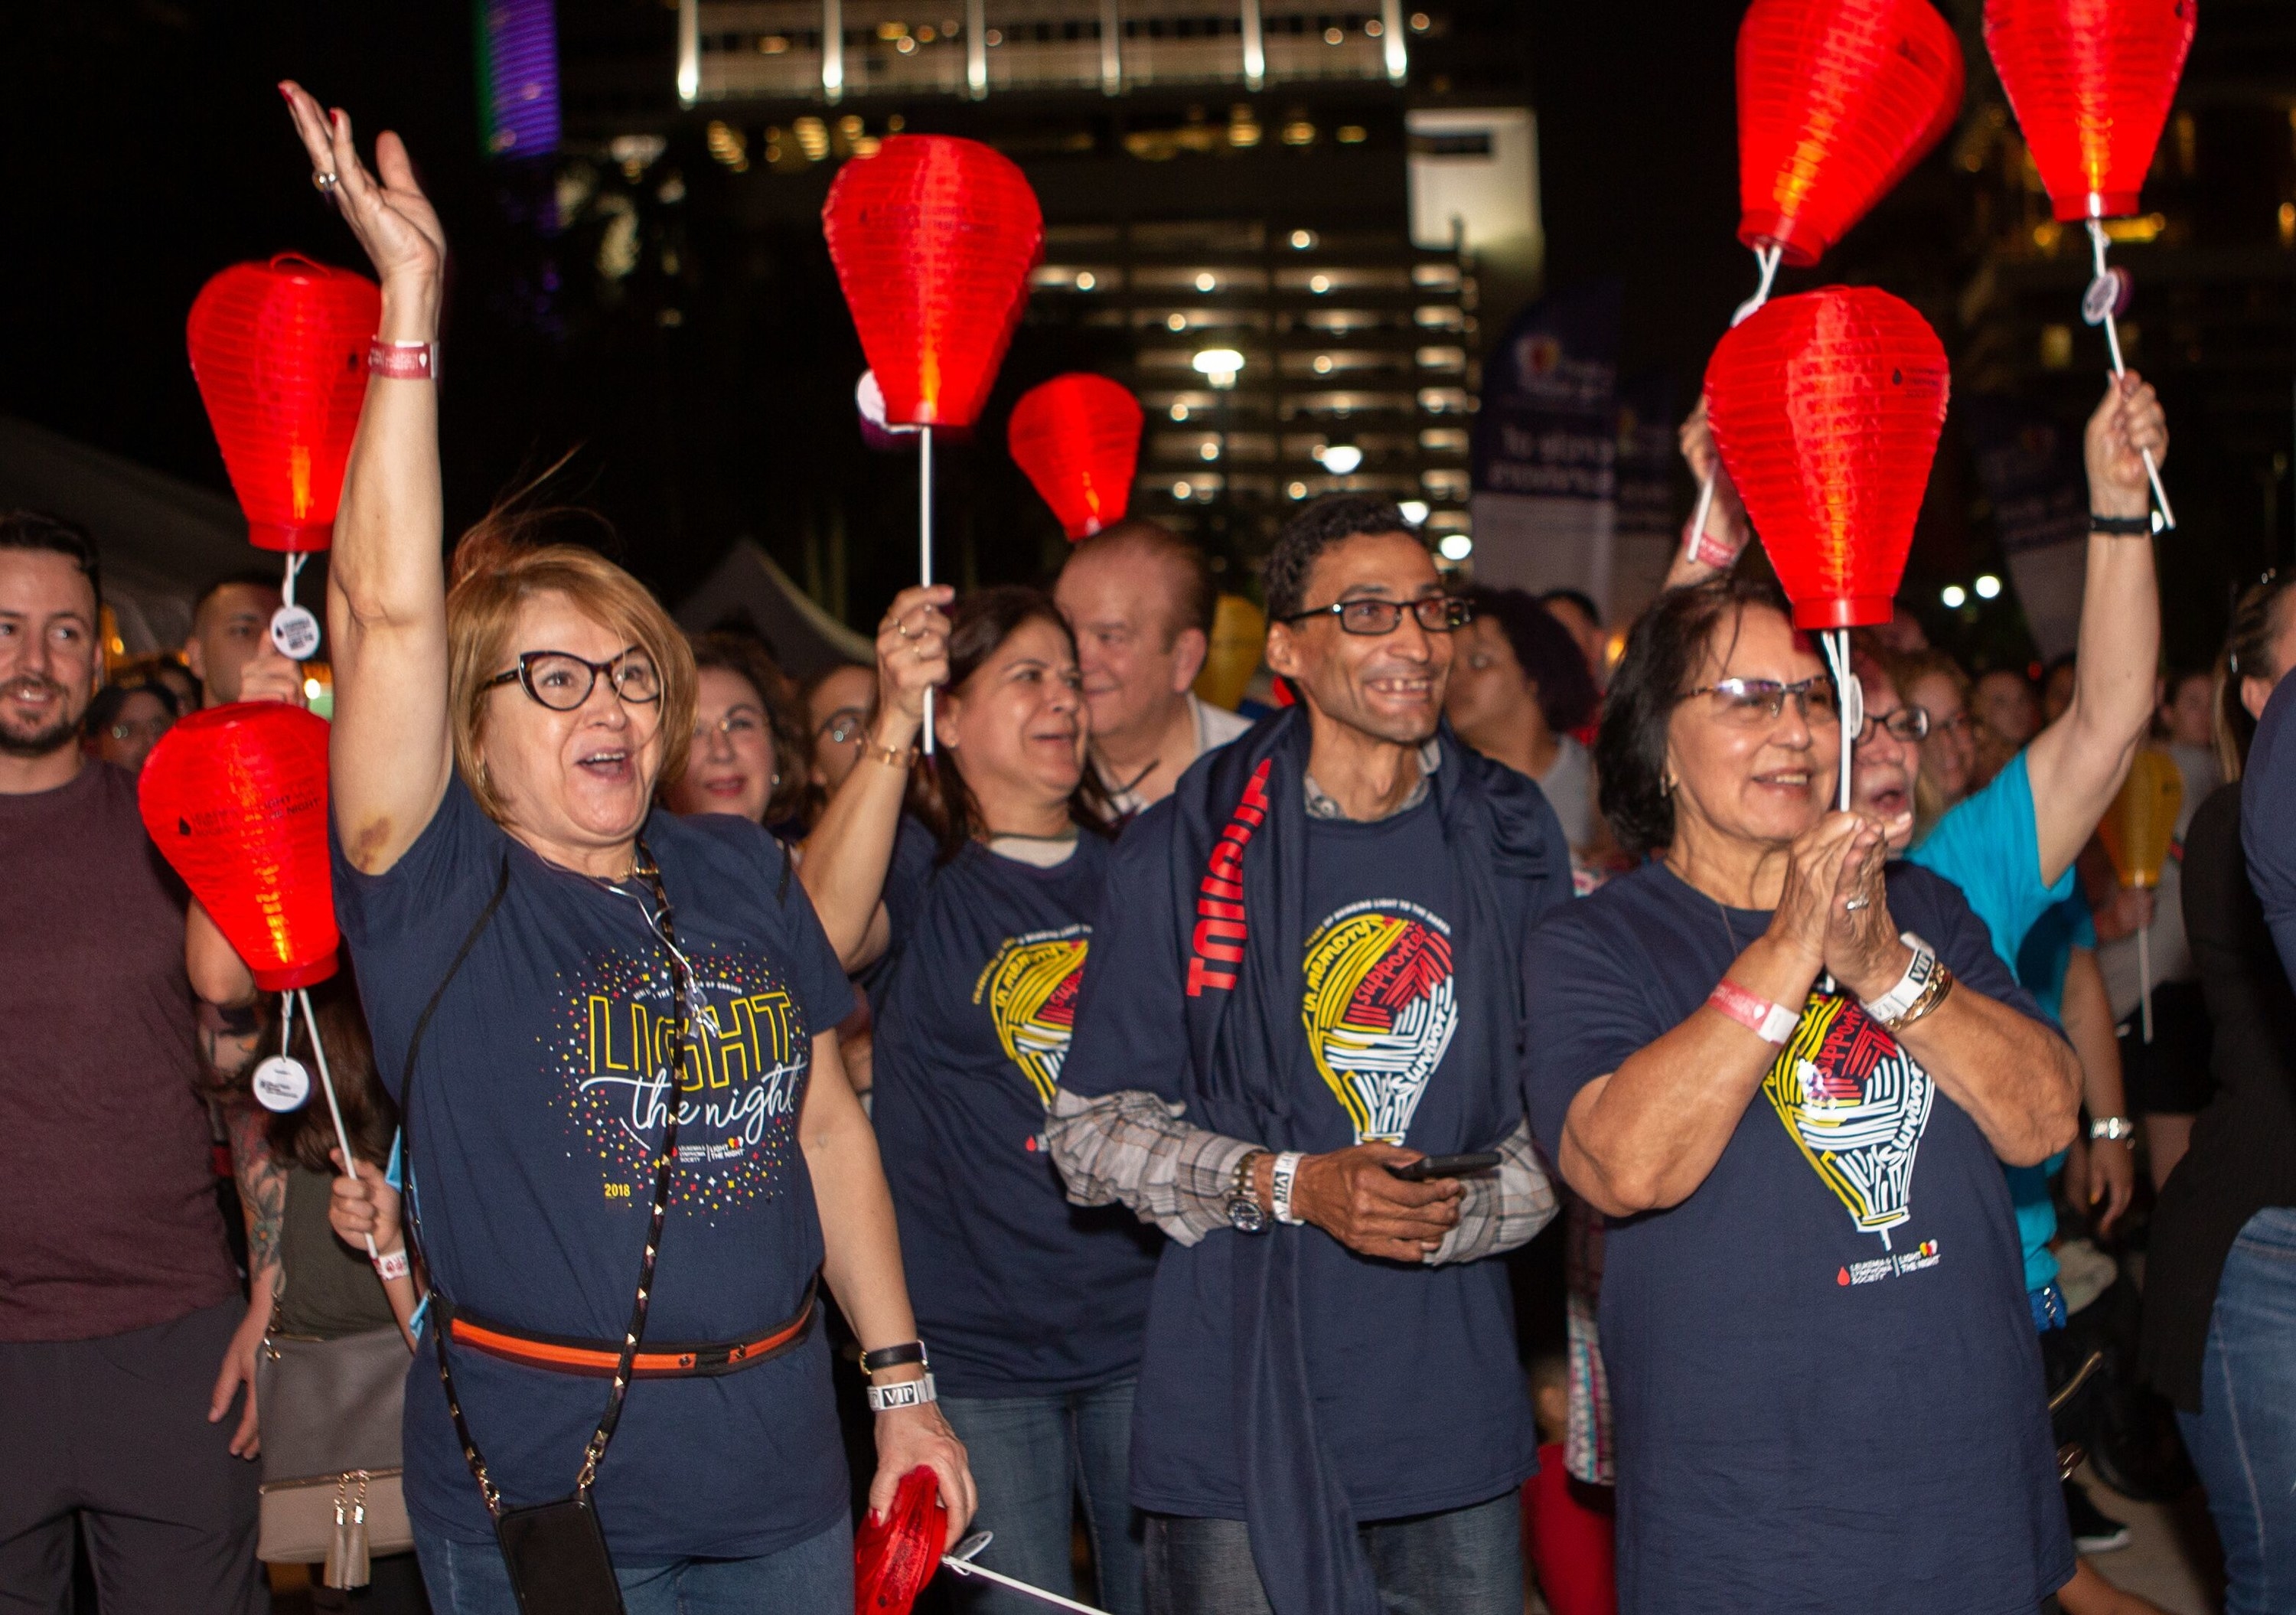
pixel 1030 989
pixel 1381 1007
pixel 1857 1103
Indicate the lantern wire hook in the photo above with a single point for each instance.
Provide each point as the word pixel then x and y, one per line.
pixel 326 1082
pixel 295 560
pixel 1767 258
pixel 925 544
pixel 2166 517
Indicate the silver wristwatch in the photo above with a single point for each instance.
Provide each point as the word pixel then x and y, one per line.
pixel 1243 1213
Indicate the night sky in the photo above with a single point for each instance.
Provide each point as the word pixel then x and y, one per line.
pixel 147 149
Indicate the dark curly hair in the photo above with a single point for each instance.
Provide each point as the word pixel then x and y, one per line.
pixel 1669 645
pixel 746 655
pixel 980 622
pixel 23 529
pixel 1550 658
pixel 1320 525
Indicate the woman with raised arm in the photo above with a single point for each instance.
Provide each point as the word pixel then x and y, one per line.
pixel 600 1023
pixel 978 903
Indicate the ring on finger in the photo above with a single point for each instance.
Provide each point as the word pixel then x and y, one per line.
pixel 1852 905
pixel 325 180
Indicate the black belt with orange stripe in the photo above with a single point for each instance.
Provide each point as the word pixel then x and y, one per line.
pixel 597 1359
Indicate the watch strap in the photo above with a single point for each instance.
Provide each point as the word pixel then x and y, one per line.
pixel 2112 1128
pixel 893 1357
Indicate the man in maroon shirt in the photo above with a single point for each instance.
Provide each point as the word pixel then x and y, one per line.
pixel 118 1298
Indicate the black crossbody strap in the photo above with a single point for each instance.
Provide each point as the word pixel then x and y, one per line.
pixel 665 1167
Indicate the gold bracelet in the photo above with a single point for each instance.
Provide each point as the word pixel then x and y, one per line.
pixel 892 757
pixel 1940 983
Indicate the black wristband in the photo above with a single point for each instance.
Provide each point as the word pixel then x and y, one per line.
pixel 892 1357
pixel 2133 527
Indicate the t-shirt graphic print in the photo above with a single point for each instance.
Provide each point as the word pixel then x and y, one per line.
pixel 1380 1005
pixel 738 1093
pixel 1030 989
pixel 1856 1104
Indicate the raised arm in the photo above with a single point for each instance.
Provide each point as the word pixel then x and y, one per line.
pixel 846 857
pixel 386 583
pixel 1714 548
pixel 2078 763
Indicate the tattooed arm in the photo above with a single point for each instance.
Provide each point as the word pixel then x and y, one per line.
pixel 263 1200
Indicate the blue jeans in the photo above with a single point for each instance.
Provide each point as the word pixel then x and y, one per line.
pixel 2244 1440
pixel 815 1578
pixel 1033 1459
pixel 1463 1561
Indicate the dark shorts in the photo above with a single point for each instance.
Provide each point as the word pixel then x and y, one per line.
pixel 2169 1076
pixel 114 1432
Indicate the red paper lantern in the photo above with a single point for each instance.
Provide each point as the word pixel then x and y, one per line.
pixel 280 353
pixel 1827 408
pixel 235 799
pixel 1077 437
pixel 1837 101
pixel 2090 81
pixel 934 239
pixel 894 1557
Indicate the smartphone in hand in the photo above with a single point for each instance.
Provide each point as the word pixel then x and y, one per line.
pixel 1446 1166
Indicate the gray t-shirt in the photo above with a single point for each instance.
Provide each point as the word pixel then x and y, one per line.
pixel 1568 784
pixel 1215 727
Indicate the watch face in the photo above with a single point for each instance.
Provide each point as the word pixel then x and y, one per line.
pixel 1245 1216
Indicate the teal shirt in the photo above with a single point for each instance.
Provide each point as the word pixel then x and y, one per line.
pixel 1988 846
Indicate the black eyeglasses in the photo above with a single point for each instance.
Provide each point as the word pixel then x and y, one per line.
pixel 1906 723
pixel 562 681
pixel 1437 613
pixel 1760 701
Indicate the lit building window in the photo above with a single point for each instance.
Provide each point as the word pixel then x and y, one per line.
pixel 1299 132
pixel 1351 134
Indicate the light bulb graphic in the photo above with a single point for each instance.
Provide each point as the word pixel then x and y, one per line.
pixel 1381 1007
pixel 1856 1104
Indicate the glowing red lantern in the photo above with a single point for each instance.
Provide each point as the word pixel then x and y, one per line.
pixel 1837 101
pixel 934 239
pixel 895 1555
pixel 279 350
pixel 235 798
pixel 1077 437
pixel 2090 81
pixel 1826 407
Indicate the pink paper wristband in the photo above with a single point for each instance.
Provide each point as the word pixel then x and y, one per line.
pixel 1771 1022
pixel 403 361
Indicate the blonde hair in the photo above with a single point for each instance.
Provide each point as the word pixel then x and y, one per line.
pixel 1906 669
pixel 501 563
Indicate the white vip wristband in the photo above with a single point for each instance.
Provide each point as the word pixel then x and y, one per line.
pixel 1287 1170
pixel 391 1265
pixel 1892 1005
pixel 908 1393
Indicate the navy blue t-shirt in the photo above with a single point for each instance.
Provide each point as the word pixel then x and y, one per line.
pixel 1827 1390
pixel 1016 1293
pixel 534 1129
pixel 1419 1395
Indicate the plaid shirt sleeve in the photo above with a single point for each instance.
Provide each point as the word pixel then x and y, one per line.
pixel 1133 1147
pixel 1502 1210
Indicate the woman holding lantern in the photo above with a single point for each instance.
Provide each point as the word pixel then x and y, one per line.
pixel 615 1314
pixel 1790 1105
pixel 973 912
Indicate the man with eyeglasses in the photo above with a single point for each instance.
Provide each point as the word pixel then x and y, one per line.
pixel 1305 982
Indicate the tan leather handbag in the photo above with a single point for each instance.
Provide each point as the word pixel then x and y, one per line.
pixel 329 1410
